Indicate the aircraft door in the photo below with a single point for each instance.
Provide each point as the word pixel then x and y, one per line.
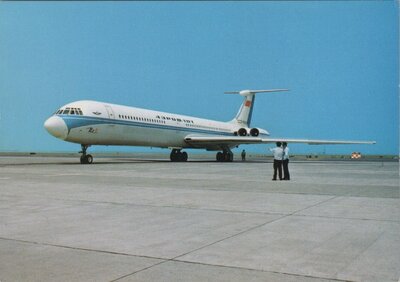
pixel 110 112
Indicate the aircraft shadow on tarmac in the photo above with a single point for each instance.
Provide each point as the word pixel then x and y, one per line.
pixel 116 161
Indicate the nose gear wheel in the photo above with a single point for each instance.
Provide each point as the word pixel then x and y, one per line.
pixel 86 158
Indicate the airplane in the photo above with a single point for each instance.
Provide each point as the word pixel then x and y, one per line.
pixel 91 123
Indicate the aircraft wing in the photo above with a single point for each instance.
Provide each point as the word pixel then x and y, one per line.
pixel 204 140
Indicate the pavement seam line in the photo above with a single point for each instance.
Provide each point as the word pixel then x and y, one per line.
pixel 259 270
pixel 220 240
pixel 250 229
pixel 79 249
pixel 163 260
pixel 223 210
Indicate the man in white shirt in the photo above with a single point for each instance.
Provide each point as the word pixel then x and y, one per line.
pixel 278 157
pixel 285 161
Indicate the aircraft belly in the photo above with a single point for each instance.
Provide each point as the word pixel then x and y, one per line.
pixel 111 134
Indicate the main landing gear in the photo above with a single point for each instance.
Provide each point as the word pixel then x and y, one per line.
pixel 225 156
pixel 85 159
pixel 178 156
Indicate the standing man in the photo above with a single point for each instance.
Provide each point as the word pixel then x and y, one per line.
pixel 278 157
pixel 243 154
pixel 285 161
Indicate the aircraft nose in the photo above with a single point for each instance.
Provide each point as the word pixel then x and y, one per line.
pixel 56 127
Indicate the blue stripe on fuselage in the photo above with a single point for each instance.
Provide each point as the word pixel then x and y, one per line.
pixel 78 121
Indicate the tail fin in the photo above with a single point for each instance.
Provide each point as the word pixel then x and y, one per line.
pixel 243 117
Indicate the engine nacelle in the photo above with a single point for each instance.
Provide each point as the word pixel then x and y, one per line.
pixel 254 132
pixel 242 132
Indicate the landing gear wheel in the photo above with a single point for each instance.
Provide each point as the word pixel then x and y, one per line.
pixel 225 156
pixel 229 157
pixel 178 156
pixel 86 159
pixel 173 156
pixel 89 159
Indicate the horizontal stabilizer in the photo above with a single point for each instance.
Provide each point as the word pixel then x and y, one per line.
pixel 249 92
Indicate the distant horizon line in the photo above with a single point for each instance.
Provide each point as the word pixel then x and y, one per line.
pixel 119 153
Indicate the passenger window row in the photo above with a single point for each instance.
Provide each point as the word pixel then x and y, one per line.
pixel 141 119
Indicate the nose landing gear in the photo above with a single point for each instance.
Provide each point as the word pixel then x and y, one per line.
pixel 86 159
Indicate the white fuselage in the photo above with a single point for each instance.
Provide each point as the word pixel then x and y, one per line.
pixel 97 123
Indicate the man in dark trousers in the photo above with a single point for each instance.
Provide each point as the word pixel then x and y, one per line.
pixel 285 161
pixel 243 154
pixel 278 157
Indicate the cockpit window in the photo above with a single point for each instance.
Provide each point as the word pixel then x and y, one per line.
pixel 70 111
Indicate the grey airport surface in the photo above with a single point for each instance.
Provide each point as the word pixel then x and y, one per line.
pixel 147 219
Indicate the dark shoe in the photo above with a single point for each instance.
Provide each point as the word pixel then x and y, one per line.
pixel 274 179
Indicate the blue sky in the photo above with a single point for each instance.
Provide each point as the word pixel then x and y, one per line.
pixel 339 59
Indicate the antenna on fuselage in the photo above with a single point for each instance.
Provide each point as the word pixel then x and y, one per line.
pixel 243 117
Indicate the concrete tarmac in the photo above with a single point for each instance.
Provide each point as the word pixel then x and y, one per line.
pixel 152 220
